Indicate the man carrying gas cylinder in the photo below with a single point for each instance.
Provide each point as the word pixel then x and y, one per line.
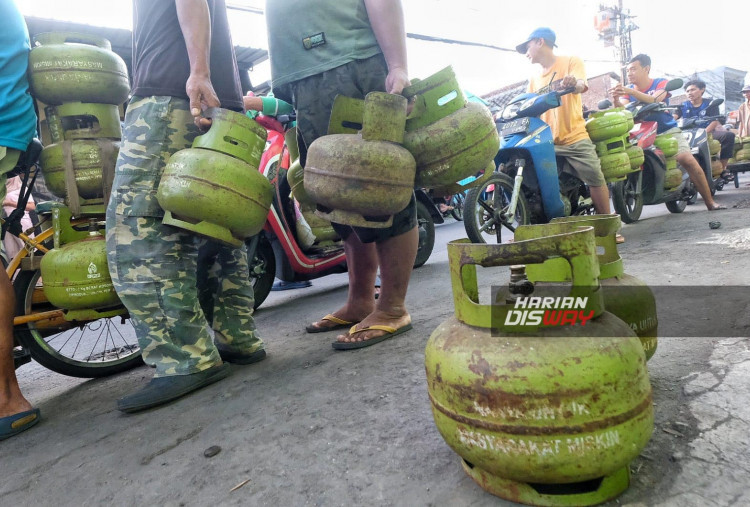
pixel 349 47
pixel 183 62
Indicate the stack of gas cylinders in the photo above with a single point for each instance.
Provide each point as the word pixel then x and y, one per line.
pixel 543 408
pixel 364 171
pixel 82 83
pixel 714 148
pixel 609 131
pixel 323 233
pixel 741 150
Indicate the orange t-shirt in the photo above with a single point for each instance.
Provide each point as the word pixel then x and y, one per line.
pixel 566 121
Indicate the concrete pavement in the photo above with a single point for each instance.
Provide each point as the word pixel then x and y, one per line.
pixel 312 426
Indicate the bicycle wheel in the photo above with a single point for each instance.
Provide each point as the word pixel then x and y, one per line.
pixel 457 201
pixel 83 349
pixel 485 211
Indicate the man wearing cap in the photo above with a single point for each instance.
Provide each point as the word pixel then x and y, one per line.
pixel 743 114
pixel 568 126
pixel 643 88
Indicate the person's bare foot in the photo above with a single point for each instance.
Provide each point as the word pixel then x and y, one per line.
pixel 14 405
pixel 619 238
pixel 715 207
pixel 342 317
pixel 376 318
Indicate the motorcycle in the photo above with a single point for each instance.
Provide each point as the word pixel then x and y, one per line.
pixel 278 250
pixel 694 130
pixel 646 187
pixel 529 186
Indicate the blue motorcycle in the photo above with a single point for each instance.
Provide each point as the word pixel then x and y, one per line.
pixel 529 186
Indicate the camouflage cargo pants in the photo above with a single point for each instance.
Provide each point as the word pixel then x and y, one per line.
pixel 154 267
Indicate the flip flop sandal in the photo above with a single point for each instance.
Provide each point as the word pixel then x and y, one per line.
pixel 340 324
pixel 390 332
pixel 14 424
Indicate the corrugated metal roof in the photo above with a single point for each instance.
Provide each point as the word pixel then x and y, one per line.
pixel 121 40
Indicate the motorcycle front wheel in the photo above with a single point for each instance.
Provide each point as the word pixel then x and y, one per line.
pixel 627 200
pixel 485 211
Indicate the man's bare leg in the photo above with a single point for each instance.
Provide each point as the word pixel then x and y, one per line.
pixel 600 198
pixel 396 259
pixel 11 399
pixel 698 178
pixel 362 264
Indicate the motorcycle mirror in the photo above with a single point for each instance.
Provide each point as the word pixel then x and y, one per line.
pixel 716 102
pixel 604 104
pixel 673 84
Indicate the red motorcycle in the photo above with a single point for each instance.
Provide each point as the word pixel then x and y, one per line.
pixel 278 252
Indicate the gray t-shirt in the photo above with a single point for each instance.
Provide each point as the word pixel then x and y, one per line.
pixel 307 38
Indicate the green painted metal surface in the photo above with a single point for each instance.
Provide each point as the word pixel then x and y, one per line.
pixel 76 67
pixel 557 405
pixel 212 189
pixel 76 275
pixel 88 160
pixel 83 120
pixel 449 137
pixel 366 178
pixel 625 296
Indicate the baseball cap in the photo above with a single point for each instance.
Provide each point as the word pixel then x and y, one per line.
pixel 746 88
pixel 540 33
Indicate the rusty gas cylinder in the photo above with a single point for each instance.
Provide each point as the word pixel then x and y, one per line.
pixel 214 189
pixel 363 179
pixel 534 409
pixel 625 296
pixel 450 138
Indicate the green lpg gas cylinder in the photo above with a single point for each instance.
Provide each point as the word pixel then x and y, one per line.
pixel 714 146
pixel 625 296
pixel 608 124
pixel 80 120
pixel 672 177
pixel 321 228
pixel 76 67
pixel 295 175
pixel 615 165
pixel 214 188
pixel 742 155
pixel 716 169
pixel 543 415
pixel 76 275
pixel 363 179
pixel 450 138
pixel 636 155
pixel 667 144
pixel 88 158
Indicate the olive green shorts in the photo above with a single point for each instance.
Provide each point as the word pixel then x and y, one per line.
pixel 582 161
pixel 313 99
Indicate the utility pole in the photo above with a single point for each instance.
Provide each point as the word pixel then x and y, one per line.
pixel 614 24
